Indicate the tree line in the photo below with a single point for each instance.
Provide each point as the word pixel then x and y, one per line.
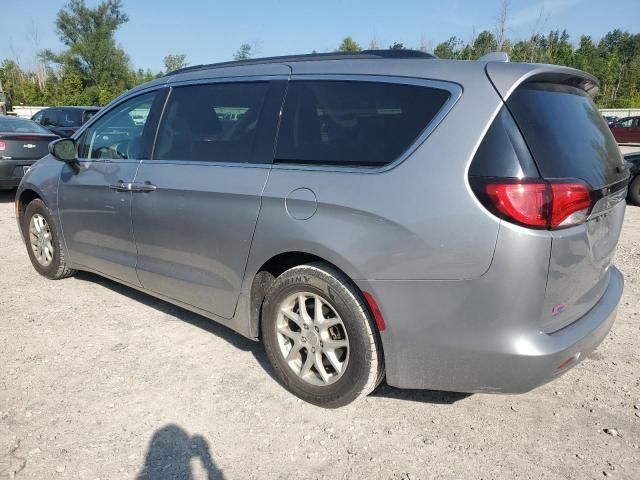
pixel 92 69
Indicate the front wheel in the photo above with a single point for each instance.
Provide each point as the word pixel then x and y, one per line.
pixel 44 244
pixel 319 336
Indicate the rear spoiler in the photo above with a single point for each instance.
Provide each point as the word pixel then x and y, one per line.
pixel 506 77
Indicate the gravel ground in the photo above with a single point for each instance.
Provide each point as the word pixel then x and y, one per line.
pixel 100 381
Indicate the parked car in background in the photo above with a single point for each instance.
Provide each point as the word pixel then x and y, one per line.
pixel 633 160
pixel 64 121
pixel 627 130
pixel 610 119
pixel 331 206
pixel 22 142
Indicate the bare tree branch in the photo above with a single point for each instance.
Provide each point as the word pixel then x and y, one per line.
pixel 502 25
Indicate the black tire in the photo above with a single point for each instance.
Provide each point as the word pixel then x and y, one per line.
pixel 58 267
pixel 634 191
pixel 365 368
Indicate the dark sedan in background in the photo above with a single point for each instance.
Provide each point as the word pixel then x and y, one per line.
pixel 22 143
pixel 64 121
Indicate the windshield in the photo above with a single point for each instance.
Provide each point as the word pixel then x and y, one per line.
pixel 20 125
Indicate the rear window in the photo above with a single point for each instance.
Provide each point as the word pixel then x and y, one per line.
pixel 566 133
pixel 350 123
pixel 19 125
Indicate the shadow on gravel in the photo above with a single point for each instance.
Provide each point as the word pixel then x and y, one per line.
pixel 7 196
pixel 423 396
pixel 256 348
pixel 179 313
pixel 170 453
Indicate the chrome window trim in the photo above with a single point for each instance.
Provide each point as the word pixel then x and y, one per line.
pixel 205 81
pixel 455 92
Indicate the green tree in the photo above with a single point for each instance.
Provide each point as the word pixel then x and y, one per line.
pixel 397 46
pixel 483 44
pixel 175 62
pixel 72 90
pixel 349 45
pixel 243 53
pixel 449 49
pixel 91 52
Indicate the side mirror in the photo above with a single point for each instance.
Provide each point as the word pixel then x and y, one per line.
pixel 64 149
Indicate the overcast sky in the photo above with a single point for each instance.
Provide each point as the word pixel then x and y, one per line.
pixel 210 30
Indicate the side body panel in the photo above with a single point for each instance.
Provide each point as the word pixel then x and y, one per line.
pixel 194 232
pixel 95 205
pixel 195 251
pixel 412 220
pixel 96 219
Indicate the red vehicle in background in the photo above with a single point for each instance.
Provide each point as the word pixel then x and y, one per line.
pixel 627 130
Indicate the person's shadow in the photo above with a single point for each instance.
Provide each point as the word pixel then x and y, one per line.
pixel 170 453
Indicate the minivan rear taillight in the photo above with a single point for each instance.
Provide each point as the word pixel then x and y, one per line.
pixel 535 203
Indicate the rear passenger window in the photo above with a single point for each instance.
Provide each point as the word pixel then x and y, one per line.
pixel 212 123
pixel 51 118
pixel 353 123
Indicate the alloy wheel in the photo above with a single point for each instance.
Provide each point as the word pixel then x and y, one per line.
pixel 312 338
pixel 41 240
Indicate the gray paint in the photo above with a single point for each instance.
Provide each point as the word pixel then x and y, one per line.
pixel 196 250
pixel 464 295
pixel 96 219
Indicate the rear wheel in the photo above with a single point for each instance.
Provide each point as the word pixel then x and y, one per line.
pixel 634 191
pixel 319 336
pixel 44 243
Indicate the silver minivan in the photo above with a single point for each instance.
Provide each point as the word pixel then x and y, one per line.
pixel 444 224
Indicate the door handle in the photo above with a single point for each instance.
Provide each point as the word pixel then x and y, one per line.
pixel 143 187
pixel 121 186
pixel 133 187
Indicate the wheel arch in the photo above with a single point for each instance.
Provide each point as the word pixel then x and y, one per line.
pixel 25 197
pixel 270 270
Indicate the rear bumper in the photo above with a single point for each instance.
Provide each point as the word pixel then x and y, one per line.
pixel 11 171
pixel 459 349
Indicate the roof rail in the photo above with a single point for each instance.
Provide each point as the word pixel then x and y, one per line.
pixel 363 55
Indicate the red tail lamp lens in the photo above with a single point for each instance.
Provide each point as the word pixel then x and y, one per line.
pixel 540 204
pixel 526 203
pixel 3 146
pixel 571 203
